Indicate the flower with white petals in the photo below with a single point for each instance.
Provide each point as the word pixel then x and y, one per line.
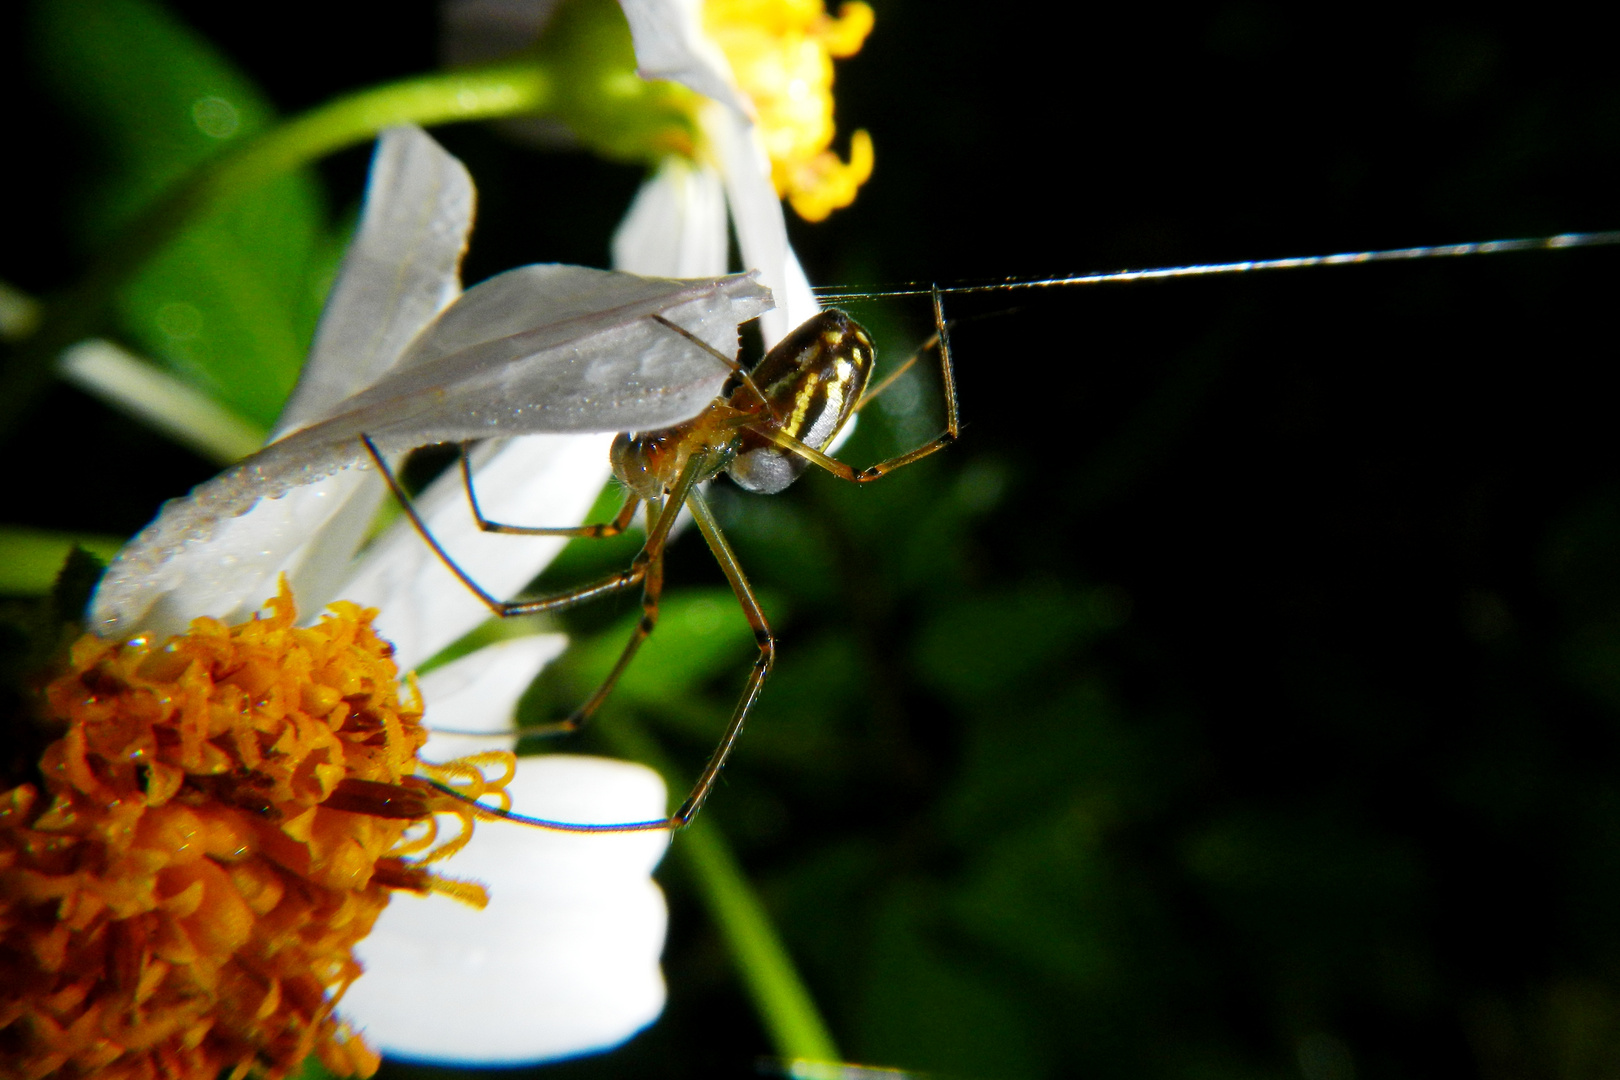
pixel 766 68
pixel 564 959
pixel 764 125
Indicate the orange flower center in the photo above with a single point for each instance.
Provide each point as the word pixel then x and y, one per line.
pixel 222 818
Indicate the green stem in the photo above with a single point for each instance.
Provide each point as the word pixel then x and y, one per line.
pixel 796 1028
pixel 477 94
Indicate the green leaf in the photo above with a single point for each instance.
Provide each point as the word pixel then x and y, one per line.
pixel 701 637
pixel 983 646
pixel 75 583
pixel 230 305
pixel 312 1069
pixel 701 634
pixel 588 557
pixel 927 1005
pixel 30 559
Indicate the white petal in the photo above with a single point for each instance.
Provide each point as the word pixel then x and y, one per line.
pixel 799 299
pixel 401 269
pixel 554 348
pixel 676 227
pixel 670 44
pixel 565 958
pixel 234 572
pixel 540 480
pixel 479 692
pixel 757 214
pixel 538 349
pixel 322 564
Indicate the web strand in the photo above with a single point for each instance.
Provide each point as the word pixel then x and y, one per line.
pixel 1347 258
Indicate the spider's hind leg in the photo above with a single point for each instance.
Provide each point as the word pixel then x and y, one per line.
pixel 648 568
pixel 604 586
pixel 620 522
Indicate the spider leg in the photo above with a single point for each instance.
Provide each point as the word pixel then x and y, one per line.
pixel 621 521
pixel 604 586
pixel 661 515
pixel 763 639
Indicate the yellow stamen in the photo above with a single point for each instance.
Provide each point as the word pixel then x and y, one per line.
pixel 221 819
pixel 781 52
pixel 825 183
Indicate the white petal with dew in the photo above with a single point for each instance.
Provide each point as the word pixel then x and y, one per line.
pixel 761 228
pixel 538 349
pixel 670 44
pixel 479 693
pixel 539 480
pixel 231 574
pixel 400 271
pixel 676 227
pixel 565 958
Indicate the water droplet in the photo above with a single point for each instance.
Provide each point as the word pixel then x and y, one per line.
pixel 215 117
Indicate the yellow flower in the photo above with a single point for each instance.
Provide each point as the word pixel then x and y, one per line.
pixel 221 819
pixel 781 53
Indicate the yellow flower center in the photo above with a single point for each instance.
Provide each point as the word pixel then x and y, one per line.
pixel 223 818
pixel 781 52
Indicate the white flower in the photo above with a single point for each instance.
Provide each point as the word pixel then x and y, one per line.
pixel 565 958
pixel 677 223
pixel 764 125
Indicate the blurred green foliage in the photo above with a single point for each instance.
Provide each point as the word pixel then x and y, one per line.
pixel 231 304
pixel 993 862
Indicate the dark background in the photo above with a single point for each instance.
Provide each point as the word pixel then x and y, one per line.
pixel 1239 698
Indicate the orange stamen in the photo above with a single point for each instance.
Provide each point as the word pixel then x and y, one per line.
pixel 221 821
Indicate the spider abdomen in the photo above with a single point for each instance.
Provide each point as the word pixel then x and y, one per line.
pixel 811 380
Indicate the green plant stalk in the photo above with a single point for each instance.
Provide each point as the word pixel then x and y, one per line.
pixel 783 1002
pixel 476 94
pixel 796 1028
